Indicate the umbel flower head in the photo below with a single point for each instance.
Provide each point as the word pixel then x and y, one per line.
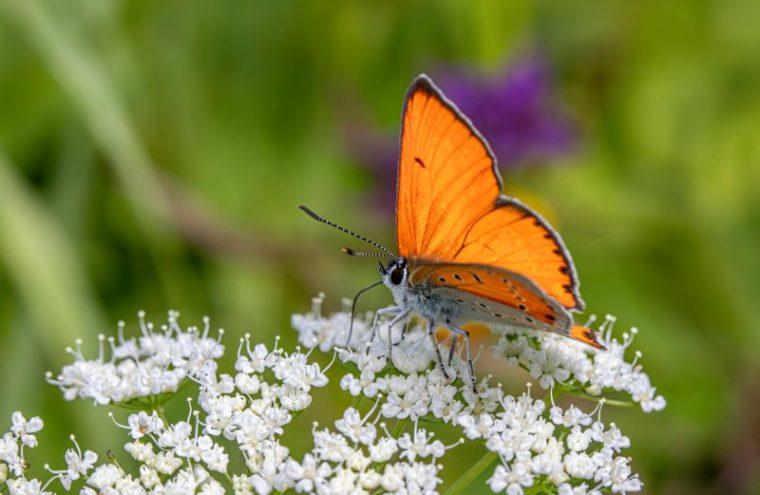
pixel 232 438
pixel 537 442
pixel 154 363
pixel 548 358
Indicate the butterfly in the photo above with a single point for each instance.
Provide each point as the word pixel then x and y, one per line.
pixel 466 252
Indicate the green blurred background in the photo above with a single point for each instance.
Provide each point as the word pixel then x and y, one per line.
pixel 152 155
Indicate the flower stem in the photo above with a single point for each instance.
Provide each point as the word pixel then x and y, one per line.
pixel 608 402
pixel 399 427
pixel 162 414
pixel 471 475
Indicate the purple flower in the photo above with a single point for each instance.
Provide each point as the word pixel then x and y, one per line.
pixel 517 111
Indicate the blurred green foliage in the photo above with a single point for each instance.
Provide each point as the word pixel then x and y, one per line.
pixel 152 155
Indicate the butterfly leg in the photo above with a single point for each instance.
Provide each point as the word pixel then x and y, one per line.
pixel 471 367
pixel 403 314
pixel 430 328
pixel 405 330
pixel 390 310
pixel 454 339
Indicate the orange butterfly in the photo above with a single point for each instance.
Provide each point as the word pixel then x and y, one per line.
pixel 466 253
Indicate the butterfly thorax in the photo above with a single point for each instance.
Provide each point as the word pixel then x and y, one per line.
pixel 419 298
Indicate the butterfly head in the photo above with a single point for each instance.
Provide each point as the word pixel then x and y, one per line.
pixel 395 277
pixel 395 274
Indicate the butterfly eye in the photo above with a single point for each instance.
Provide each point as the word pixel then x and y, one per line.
pixel 397 276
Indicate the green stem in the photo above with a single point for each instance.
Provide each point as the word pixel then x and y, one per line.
pixel 608 402
pixel 578 392
pixel 472 474
pixel 162 414
pixel 399 427
pixel 229 479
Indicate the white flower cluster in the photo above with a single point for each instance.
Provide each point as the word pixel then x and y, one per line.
pixel 564 451
pixel 540 446
pixel 13 465
pixel 552 359
pixel 176 458
pixel 249 409
pixel 253 407
pixel 157 362
pixel 347 462
pixel 12 444
pixel 549 358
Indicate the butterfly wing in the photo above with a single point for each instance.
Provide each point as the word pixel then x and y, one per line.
pixel 514 237
pixel 524 302
pixel 449 205
pixel 446 175
pixel 490 294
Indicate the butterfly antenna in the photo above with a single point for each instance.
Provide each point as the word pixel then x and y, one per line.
pixel 349 232
pixel 351 252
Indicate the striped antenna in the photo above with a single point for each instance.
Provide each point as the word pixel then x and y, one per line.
pixel 351 252
pixel 349 232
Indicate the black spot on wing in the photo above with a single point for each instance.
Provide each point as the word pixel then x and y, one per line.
pixel 419 161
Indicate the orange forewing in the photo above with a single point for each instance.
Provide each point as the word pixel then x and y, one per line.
pixel 449 207
pixel 445 176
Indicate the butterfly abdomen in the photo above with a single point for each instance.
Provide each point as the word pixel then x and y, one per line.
pixel 432 304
